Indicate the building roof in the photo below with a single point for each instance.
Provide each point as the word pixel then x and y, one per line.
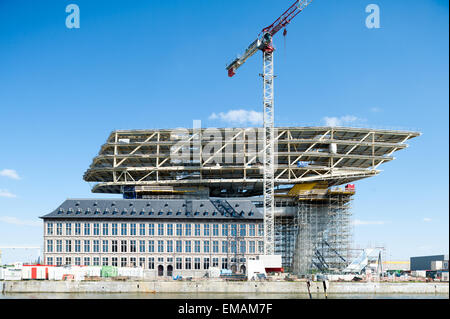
pixel 234 209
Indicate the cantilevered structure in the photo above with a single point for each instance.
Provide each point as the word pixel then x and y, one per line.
pixel 228 162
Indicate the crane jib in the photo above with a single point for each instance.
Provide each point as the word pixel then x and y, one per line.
pixel 264 39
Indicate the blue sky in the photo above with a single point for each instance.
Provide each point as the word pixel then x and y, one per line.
pixel 161 64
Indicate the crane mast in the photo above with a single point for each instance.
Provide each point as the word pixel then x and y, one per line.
pixel 264 43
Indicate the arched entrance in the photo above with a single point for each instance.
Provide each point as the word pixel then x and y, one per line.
pixel 233 268
pixel 243 269
pixel 160 270
pixel 169 270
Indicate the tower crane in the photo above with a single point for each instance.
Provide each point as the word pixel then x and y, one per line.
pixel 264 43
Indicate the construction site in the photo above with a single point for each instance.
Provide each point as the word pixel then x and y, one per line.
pixel 294 184
pixel 313 176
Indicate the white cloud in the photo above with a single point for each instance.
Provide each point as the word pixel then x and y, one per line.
pixel 6 193
pixel 375 109
pixel 9 173
pixel 239 117
pixel 427 220
pixel 358 222
pixel 16 221
pixel 341 121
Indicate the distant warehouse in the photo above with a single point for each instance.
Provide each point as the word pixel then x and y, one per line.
pixel 427 262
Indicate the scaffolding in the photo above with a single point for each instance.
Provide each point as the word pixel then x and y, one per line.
pixel 313 234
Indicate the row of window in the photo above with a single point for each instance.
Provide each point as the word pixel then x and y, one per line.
pixel 150 229
pixel 148 263
pixel 151 246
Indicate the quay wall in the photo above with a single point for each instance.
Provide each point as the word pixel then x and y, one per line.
pixel 296 287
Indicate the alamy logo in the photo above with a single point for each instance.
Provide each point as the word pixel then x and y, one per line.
pixel 73 19
pixel 373 19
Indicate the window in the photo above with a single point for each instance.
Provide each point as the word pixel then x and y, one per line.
pixel 96 229
pixel 224 263
pixel 151 246
pixel 87 261
pixel 77 228
pixel 225 230
pixel 105 229
pixel 179 229
pixel 187 246
pixel 151 263
pixel 187 263
pixel 242 247
pixel 142 246
pixel 224 247
pixel 169 229
pixel 151 230
pixel 105 261
pixel 105 246
pixel 187 230
pixel 251 247
pixel 260 247
pixel 261 230
pixel 206 263
pixel 68 229
pixel 58 261
pixel 251 230
pixel 206 246
pixel 133 261
pixel 170 246
pixel 68 246
pixel 96 248
pixel 197 229
pixel 215 262
pixel 197 246
pixel 77 245
pixel 233 247
pixel 160 229
pixel 133 229
pixel 123 262
pixel 114 261
pixel 87 229
pixel 142 262
pixel 114 230
pixel 123 246
pixel 197 263
pixel 178 247
pixel 179 263
pixel 114 246
pixel 215 246
pixel 96 261
pixel 50 246
pixel 160 246
pixel 123 229
pixel 87 246
pixel 49 260
pixel 215 230
pixel 233 230
pixel 59 229
pixel 49 228
pixel 78 261
pixel 132 246
pixel 141 229
pixel 242 232
pixel 206 230
pixel 59 245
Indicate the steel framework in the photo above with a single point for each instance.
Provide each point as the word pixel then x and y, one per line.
pixel 147 160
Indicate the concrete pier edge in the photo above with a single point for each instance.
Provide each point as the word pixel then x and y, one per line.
pixel 36 286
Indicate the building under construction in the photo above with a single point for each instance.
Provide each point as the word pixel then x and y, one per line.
pixel 314 171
